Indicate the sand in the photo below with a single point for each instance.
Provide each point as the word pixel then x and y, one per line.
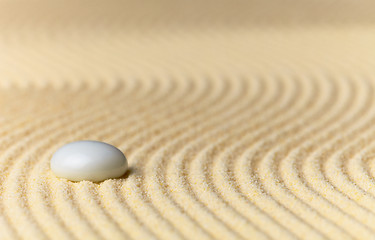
pixel 246 120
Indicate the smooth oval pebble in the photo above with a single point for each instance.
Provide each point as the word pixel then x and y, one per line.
pixel 88 160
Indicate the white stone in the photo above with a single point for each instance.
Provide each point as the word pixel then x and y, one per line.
pixel 88 160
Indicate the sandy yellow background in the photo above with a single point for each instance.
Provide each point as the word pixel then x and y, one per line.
pixel 239 119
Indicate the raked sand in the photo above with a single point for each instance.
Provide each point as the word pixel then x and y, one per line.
pixel 239 119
